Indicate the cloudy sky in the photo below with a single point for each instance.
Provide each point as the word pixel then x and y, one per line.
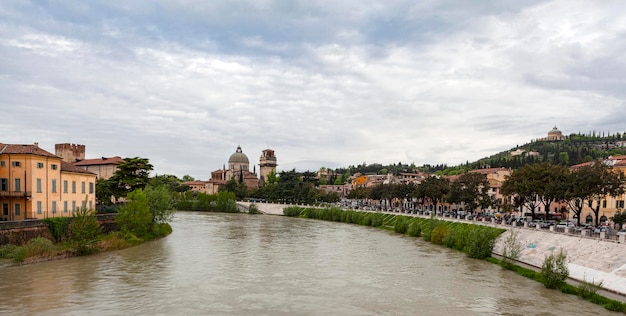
pixel 323 83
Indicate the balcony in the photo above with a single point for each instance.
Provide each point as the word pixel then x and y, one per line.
pixel 15 194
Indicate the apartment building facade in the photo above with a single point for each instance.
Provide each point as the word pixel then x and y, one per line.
pixel 36 184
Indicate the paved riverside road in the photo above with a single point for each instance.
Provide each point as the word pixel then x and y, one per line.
pixel 589 259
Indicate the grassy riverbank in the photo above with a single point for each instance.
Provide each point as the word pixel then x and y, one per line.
pixel 41 249
pixel 585 290
pixel 476 241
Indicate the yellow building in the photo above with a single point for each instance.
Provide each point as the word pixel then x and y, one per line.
pixel 36 184
pixel 609 205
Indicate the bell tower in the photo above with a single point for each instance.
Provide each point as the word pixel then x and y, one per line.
pixel 267 164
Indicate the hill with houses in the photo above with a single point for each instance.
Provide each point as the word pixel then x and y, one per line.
pixel 568 150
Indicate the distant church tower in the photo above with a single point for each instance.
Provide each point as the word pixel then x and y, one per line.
pixel 267 164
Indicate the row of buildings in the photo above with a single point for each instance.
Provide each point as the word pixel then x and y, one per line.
pixel 496 177
pixel 35 183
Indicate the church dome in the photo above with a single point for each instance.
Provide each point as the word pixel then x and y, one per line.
pixel 238 157
pixel 554 131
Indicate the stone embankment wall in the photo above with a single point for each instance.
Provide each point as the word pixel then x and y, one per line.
pixel 18 236
pixel 20 232
pixel 589 259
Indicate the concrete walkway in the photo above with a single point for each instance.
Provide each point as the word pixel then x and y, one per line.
pixel 589 259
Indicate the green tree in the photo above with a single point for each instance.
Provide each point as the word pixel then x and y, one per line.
pixel 474 188
pixel 226 202
pixel 84 231
pixel 434 189
pixel 131 174
pixel 238 188
pixel 524 184
pixel 272 178
pixel 135 217
pixel 160 202
pixel 170 182
pixel 577 192
pixel 552 183
pixel 339 180
pixel 330 197
pixel 619 218
pixel 187 178
pixel 604 182
pixel 105 190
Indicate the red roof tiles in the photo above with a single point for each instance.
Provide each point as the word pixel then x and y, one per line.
pixel 100 161
pixel 68 167
pixel 24 149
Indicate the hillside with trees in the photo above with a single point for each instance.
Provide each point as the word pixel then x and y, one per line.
pixel 574 149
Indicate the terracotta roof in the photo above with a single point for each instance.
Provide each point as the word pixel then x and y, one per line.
pixel 412 174
pixel 489 170
pixel 68 167
pixel 580 165
pixel 100 161
pixel 24 149
pixel 198 182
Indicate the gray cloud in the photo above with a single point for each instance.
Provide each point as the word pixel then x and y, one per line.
pixel 319 82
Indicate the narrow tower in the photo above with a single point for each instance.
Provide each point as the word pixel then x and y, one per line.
pixel 267 164
pixel 70 152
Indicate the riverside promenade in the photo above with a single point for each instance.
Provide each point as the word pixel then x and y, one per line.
pixel 589 259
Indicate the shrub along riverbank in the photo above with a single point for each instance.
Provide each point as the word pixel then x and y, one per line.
pixel 476 241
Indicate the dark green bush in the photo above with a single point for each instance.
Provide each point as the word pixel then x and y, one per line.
pixel 401 225
pixel 58 227
pixel 414 229
pixel 480 242
pixel 7 251
pixel 377 220
pixel 366 220
pixel 450 239
pixel 292 211
pixel 253 209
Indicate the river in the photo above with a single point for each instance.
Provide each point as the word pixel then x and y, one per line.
pixel 239 264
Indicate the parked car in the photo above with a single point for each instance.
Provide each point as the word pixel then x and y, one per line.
pixel 600 229
pixel 565 224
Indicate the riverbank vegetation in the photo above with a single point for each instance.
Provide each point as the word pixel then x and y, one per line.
pixel 587 290
pixel 144 217
pixel 474 240
pixel 223 201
